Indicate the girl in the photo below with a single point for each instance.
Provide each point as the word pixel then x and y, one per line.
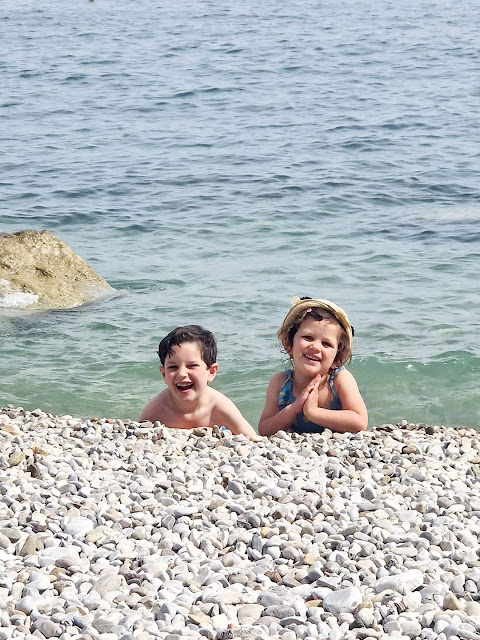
pixel 319 393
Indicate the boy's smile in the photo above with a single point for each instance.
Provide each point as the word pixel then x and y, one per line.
pixel 184 387
pixel 185 372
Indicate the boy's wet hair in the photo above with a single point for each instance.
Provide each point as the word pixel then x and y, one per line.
pixel 189 333
pixel 320 310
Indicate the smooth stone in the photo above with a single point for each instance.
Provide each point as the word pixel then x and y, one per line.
pixel 315 572
pixel 11 533
pixel 103 625
pixel 292 621
pixel 26 604
pixel 185 510
pixel 78 527
pixel 269 599
pixel 253 611
pixel 235 487
pixel 343 600
pixel 40 581
pixel 108 583
pixel 451 631
pixel 450 601
pixel 369 492
pixel 47 628
pixel 365 617
pixel 279 611
pixel 51 555
pixel 4 541
pixel 16 458
pixel 402 582
pixel 473 609
pixel 29 546
pixel 409 626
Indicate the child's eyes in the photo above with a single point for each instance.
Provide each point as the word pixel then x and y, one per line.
pixel 309 338
pixel 173 367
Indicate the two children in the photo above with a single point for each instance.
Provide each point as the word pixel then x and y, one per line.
pixel 317 393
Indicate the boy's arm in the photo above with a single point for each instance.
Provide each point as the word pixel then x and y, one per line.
pixel 352 418
pixel 230 416
pixel 274 419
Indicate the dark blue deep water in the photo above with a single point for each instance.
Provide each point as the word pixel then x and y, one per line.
pixel 213 159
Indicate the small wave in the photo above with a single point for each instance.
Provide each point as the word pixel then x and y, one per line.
pixel 74 77
pixel 184 94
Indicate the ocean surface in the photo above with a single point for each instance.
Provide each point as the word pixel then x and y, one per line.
pixel 211 160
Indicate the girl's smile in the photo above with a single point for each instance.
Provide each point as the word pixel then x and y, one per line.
pixel 315 346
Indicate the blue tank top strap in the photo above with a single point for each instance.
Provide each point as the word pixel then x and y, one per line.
pixel 335 403
pixel 285 395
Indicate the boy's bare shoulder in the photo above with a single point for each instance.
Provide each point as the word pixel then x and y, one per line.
pixel 224 412
pixel 155 409
pixel 218 399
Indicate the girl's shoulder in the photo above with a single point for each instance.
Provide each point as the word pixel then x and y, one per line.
pixel 278 379
pixel 341 376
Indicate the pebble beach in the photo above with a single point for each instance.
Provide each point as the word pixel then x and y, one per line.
pixel 114 529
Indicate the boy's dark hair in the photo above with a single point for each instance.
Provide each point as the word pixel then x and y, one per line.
pixel 190 333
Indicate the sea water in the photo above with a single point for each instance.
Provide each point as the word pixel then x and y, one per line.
pixel 211 160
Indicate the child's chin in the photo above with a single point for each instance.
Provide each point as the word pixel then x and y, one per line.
pixel 313 369
pixel 312 366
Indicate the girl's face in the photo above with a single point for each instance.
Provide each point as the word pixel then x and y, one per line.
pixel 315 346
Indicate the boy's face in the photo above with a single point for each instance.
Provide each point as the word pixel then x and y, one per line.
pixel 186 373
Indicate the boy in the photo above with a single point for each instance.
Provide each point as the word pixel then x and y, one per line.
pixel 188 356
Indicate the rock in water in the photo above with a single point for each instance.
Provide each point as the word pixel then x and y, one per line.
pixel 40 269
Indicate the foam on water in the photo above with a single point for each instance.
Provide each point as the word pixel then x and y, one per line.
pixel 10 298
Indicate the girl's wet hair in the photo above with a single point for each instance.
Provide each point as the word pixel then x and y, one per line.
pixel 319 310
pixel 190 333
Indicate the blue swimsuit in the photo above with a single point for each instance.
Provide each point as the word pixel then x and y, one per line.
pixel 286 397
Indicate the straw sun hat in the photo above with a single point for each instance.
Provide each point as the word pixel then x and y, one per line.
pixel 301 306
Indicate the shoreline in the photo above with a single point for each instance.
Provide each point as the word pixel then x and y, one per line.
pixel 112 529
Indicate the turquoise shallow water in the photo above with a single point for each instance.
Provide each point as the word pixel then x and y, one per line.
pixel 212 161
